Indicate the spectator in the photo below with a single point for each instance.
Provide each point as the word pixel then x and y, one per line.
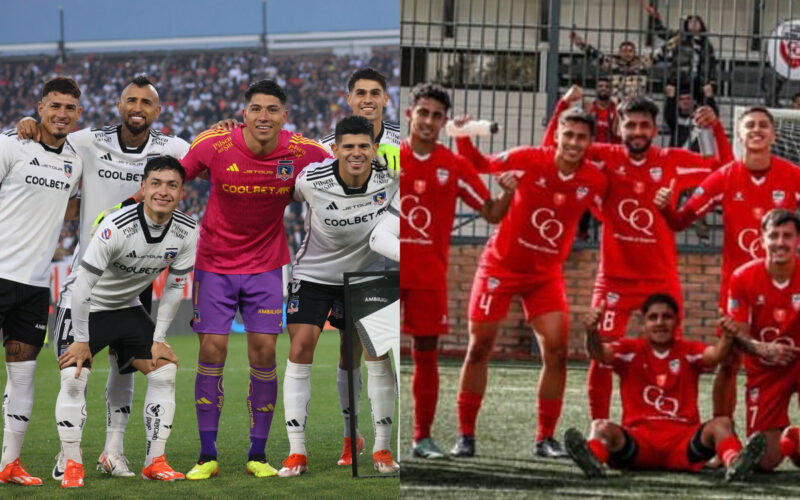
pixel 678 115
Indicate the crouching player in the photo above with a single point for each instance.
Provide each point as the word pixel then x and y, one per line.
pixel 661 426
pixel 128 251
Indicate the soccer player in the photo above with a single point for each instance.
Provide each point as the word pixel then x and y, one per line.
pixel 746 189
pixel 38 179
pixel 345 197
pixel 128 251
pixel 763 302
pixel 525 257
pixel 114 158
pixel 432 179
pixel 659 378
pixel 239 258
pixel 638 256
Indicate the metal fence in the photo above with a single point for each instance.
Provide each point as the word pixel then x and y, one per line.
pixel 509 60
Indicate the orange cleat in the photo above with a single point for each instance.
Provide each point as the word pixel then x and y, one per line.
pixel 160 470
pixel 295 465
pixel 384 462
pixel 347 457
pixel 73 475
pixel 15 473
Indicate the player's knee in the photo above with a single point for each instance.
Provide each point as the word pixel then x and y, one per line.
pixel 163 376
pixel 772 458
pixel 71 386
pixel 721 423
pixel 555 354
pixel 601 427
pixel 479 350
pixel 212 350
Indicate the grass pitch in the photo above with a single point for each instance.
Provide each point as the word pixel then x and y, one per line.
pixel 324 434
pixel 504 466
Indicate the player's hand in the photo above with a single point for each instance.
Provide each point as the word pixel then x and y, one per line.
pixel 780 354
pixel 161 350
pixel 664 195
pixel 704 116
pixel 708 90
pixel 389 157
pixel 574 94
pixel 229 124
pixel 508 181
pixel 76 354
pixel 669 91
pixel 127 202
pixel 728 326
pixel 28 128
pixel 576 38
pixel 591 321
pixel 651 10
pixel 461 120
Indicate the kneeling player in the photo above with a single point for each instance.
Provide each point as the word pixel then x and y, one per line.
pixel 661 426
pixel 128 251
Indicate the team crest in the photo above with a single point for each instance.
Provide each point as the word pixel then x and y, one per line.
pixel 779 314
pixel 638 187
pixel 170 254
pixel 196 316
pixel 559 199
pixel 492 283
pixel 379 198
pixel 675 366
pixel 442 174
pixel 698 191
pixel 733 304
pixel 753 395
pixel 285 169
pixel 612 298
pixel 778 196
pixel 796 301
pixel 581 192
pixel 337 311
pixel 68 170
pixel 661 379
pixel 419 186
pixel 656 174
pixel 292 305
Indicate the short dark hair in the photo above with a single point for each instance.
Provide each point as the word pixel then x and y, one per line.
pixel 603 78
pixel 756 109
pixel 431 91
pixel 577 115
pixel 366 74
pixel 268 87
pixel 627 42
pixel 62 85
pixel 796 95
pixel 778 217
pixel 660 298
pixel 354 125
pixel 141 81
pixel 164 162
pixel 638 104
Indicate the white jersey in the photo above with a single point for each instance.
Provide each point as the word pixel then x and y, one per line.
pixel 128 258
pixel 111 174
pixel 36 183
pixel 389 135
pixel 339 222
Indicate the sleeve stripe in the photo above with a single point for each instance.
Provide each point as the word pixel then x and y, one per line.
pixel 180 272
pixel 470 191
pixel 307 142
pixel 206 135
pixel 689 171
pixel 702 209
pixel 91 268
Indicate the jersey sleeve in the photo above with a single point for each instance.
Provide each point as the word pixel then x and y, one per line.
pixel 738 304
pixel 705 196
pixel 624 351
pixel 103 247
pixel 7 148
pixel 471 188
pixel 694 354
pixel 184 262
pixel 81 139
pixel 523 158
pixel 178 147
pixel 300 186
pixel 195 160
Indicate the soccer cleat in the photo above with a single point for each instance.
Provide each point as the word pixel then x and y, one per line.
pixel 203 470
pixel 578 450
pixel 748 458
pixel 15 473
pixel 347 457
pixel 58 468
pixel 427 448
pixel 260 468
pixel 549 448
pixel 160 470
pixel 295 465
pixel 73 475
pixel 464 447
pixel 384 462
pixel 116 465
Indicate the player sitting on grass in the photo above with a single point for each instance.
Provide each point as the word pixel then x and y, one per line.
pixel 661 428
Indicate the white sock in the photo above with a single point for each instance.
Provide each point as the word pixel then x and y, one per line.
pixel 344 396
pixel 296 396
pixel 119 396
pixel 382 391
pixel 159 410
pixel 18 408
pixel 71 412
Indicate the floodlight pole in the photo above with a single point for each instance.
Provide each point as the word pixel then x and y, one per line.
pixel 62 56
pixel 264 27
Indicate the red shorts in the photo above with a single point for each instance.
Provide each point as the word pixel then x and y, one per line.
pixel 424 312
pixel 491 296
pixel 768 394
pixel 624 296
pixel 663 445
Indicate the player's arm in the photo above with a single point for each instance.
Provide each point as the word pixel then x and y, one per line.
pixel 716 353
pixel 706 117
pixel 595 347
pixel 496 208
pixel 773 352
pixel 28 128
pixel 385 237
pixel 596 151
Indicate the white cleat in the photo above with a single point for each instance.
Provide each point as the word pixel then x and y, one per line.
pixel 116 465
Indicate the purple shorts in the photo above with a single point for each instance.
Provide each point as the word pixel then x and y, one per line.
pixel 216 298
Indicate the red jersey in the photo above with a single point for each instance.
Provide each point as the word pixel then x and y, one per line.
pixel 744 198
pixel 536 234
pixel 755 298
pixel 242 230
pixel 656 387
pixel 430 187
pixel 604 121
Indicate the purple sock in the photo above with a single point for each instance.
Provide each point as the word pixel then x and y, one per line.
pixel 261 397
pixel 208 398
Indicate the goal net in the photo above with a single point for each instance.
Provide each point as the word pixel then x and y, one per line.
pixel 787 133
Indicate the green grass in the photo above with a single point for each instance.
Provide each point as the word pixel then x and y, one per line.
pixel 505 468
pixel 324 434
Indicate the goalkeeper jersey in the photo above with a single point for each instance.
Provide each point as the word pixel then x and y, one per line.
pixel 339 223
pixel 390 134
pixel 37 182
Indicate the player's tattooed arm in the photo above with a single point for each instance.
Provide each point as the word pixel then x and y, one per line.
pixel 773 352
pixel 495 209
pixel 595 347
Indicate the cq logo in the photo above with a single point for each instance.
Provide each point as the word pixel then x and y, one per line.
pixel 639 218
pixel 419 217
pixel 772 335
pixel 549 228
pixel 654 396
pixel 750 242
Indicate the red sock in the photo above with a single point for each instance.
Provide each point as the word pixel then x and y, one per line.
pixel 600 383
pixel 598 449
pixel 425 386
pixel 728 449
pixel 468 406
pixel 549 411
pixel 790 442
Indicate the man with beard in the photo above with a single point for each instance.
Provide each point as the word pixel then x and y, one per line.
pixel 678 115
pixel 604 111
pixel 114 159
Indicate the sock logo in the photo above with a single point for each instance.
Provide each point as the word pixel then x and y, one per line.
pixel 154 409
pixel 21 418
pixel 65 423
pixel 123 409
pixel 292 423
pixel 266 409
pixel 202 401
pixel 384 421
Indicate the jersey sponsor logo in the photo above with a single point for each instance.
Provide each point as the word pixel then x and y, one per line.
pixel 654 396
pixel 106 234
pixel 612 298
pixel 232 168
pixel 419 217
pixel 68 169
pixel 419 186
pixel 270 311
pixel 285 169
pixel 180 233
pixel 639 218
pixel 268 190
pixel 581 192
pixel 106 157
pixel 138 270
pixel 379 198
pixel 296 150
pixel 749 241
pixel 541 182
pixel 34 162
pixel 738 196
pixel 550 228
pixel 382 300
pixel 48 183
pixel 120 176
pixel 778 197
pixel 130 230
pixel 332 206
pixel 492 283
pixel 559 199
pixel 324 184
pixel 442 174
pixel 159 140
pixel 353 221
pixel 656 174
